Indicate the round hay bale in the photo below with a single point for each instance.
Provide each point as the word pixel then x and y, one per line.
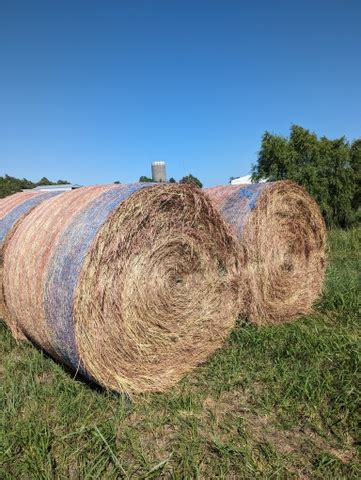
pixel 132 285
pixel 12 209
pixel 283 233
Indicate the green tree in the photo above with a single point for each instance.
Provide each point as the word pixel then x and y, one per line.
pixel 44 181
pixel 273 159
pixel 355 162
pixel 172 180
pixel 191 180
pixel 337 182
pixel 143 179
pixel 305 164
pixel 10 185
pixel 326 168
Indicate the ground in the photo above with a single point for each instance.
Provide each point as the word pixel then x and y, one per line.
pixel 275 402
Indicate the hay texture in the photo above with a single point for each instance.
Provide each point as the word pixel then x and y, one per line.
pixel 12 209
pixel 283 234
pixel 131 285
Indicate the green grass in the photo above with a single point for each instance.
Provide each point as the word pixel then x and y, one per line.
pixel 275 402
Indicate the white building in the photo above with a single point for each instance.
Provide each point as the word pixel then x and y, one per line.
pixel 53 188
pixel 246 179
pixel 241 180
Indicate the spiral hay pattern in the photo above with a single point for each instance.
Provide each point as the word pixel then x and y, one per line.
pixel 132 285
pixel 283 233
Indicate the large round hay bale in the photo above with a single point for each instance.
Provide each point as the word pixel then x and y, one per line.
pixel 283 233
pixel 12 209
pixel 131 285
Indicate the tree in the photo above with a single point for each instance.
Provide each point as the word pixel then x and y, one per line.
pixel 326 168
pixel 117 182
pixel 10 185
pixel 191 180
pixel 355 162
pixel 336 182
pixel 44 181
pixel 273 159
pixel 145 179
pixel 172 180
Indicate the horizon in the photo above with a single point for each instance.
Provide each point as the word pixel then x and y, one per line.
pixel 94 94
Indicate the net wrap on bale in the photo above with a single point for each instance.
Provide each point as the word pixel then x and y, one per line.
pixel 132 285
pixel 12 209
pixel 283 234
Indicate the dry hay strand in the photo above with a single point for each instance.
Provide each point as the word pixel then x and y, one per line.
pixel 132 285
pixel 12 201
pixel 5 314
pixel 283 233
pixel 15 206
pixel 13 209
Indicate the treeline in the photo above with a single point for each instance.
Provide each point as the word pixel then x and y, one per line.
pixel 10 185
pixel 191 179
pixel 330 170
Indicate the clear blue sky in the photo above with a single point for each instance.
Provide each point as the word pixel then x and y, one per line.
pixel 93 91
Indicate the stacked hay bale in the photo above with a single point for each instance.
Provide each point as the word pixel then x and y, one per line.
pixel 283 234
pixel 132 285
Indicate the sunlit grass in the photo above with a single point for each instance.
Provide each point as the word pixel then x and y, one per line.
pixel 276 402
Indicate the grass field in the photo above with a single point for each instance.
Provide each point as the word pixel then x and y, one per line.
pixel 275 402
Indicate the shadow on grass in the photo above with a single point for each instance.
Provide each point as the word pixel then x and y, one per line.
pixel 77 375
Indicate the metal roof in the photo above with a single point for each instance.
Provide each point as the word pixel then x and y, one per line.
pixel 64 187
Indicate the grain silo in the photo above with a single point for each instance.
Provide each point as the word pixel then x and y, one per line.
pixel 159 172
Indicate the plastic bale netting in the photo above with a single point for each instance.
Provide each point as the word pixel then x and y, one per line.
pixel 283 234
pixel 12 209
pixel 130 285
